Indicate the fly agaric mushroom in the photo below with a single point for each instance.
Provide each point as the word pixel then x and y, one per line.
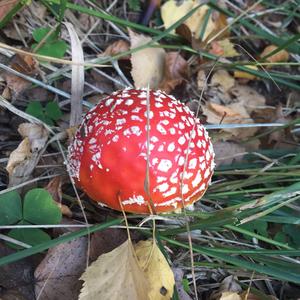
pixel 137 132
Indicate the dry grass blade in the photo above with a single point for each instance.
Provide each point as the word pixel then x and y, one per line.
pixel 77 76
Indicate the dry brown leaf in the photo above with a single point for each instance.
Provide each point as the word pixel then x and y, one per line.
pixel 57 275
pixel 229 290
pixel 250 296
pixel 233 113
pixel 147 64
pixel 24 64
pixel 280 56
pixel 248 97
pixel 157 270
pixel 116 48
pixel 36 133
pixel 176 69
pixel 223 79
pixel 6 6
pixel 17 281
pixel 201 80
pixel 217 112
pixel 16 84
pixel 228 152
pixel 223 48
pixel 19 155
pixel 278 136
pixel 54 188
pixel 106 240
pixel 115 276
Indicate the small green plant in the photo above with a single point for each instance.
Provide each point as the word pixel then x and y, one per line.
pixel 134 5
pixel 38 207
pixel 48 114
pixel 257 226
pixel 51 46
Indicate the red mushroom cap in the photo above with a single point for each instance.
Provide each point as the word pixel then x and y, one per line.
pixel 109 155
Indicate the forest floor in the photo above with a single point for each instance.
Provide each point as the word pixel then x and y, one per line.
pixel 235 64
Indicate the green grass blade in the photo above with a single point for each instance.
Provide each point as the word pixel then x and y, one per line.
pixel 62 239
pixel 273 271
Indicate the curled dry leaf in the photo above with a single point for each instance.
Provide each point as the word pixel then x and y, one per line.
pixel 23 160
pixel 54 188
pixel 24 64
pixel 57 275
pixel 18 156
pixel 176 69
pixel 117 47
pixel 280 56
pixel 157 270
pixel 36 133
pixel 228 290
pixel 147 64
pixel 115 276
pixel 232 113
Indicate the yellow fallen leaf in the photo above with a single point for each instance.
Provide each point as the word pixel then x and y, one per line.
pixel 230 296
pixel 245 75
pixel 147 64
pixel 223 48
pixel 171 12
pixel 157 270
pixel 18 155
pixel 115 276
pixel 197 20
